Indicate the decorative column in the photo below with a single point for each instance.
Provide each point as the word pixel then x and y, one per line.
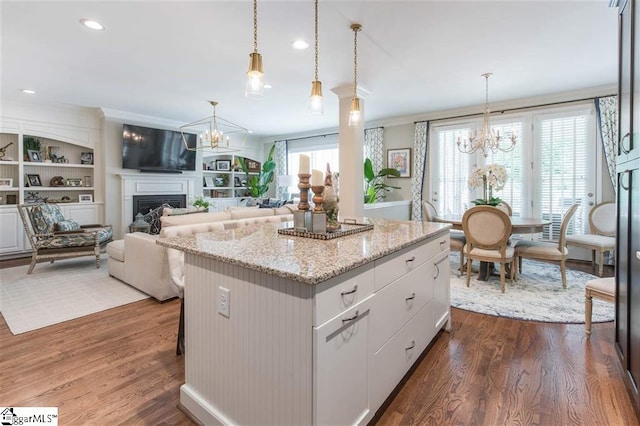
pixel 351 147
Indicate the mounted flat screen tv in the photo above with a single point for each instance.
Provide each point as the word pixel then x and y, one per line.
pixel 156 150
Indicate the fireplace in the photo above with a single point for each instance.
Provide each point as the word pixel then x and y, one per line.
pixel 145 203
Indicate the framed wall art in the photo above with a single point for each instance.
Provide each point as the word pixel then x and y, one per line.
pixel 33 180
pixel 85 198
pixel 400 159
pixel 223 165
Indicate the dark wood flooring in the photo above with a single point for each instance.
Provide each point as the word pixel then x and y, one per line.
pixel 119 366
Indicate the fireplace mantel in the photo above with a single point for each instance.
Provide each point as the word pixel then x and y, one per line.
pixel 152 184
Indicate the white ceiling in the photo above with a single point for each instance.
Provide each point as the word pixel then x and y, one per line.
pixel 167 59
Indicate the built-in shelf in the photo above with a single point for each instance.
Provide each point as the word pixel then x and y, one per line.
pixel 67 165
pixel 59 188
pixel 9 163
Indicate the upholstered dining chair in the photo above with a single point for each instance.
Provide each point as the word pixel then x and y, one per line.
pixel 548 251
pixel 602 223
pixel 456 238
pixel 487 231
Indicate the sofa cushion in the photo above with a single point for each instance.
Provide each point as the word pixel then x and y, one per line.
pixel 190 219
pixel 115 250
pixel 247 212
pixel 67 225
pixel 44 218
pixel 171 211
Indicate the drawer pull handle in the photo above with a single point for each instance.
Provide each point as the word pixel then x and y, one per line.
pixel 442 244
pixel 355 316
pixel 622 147
pixel 355 288
pixel 411 259
pixel 628 173
pixel 411 346
pixel 437 271
pixel 413 296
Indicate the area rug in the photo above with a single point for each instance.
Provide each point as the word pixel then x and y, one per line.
pixel 58 292
pixel 537 295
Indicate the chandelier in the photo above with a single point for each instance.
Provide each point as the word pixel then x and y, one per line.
pixel 355 115
pixel 213 134
pixel 487 140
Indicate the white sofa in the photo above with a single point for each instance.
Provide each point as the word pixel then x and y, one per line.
pixel 138 261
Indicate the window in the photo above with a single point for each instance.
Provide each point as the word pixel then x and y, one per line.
pixel 320 149
pixel 551 167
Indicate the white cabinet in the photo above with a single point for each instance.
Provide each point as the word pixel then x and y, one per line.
pixel 84 214
pixel 221 204
pixel 11 230
pixel 441 288
pixel 341 367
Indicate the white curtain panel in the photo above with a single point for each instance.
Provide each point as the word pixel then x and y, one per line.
pixel 420 145
pixel 607 117
pixel 374 149
pixel 280 158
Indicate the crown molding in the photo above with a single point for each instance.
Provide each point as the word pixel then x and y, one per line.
pixel 118 115
pixel 346 91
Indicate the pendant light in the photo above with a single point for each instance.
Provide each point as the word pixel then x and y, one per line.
pixel 355 115
pixel 315 101
pixel 255 75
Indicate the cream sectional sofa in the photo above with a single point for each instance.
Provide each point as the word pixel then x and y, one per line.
pixel 139 262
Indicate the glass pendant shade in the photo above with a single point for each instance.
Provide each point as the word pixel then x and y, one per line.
pixel 255 77
pixel 315 100
pixel 355 115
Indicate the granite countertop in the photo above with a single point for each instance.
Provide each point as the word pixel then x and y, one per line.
pixel 306 260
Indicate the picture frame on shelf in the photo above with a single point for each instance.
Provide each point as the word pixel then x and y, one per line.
pixel 75 182
pixel 208 182
pixel 34 156
pixel 85 198
pixel 11 199
pixel 6 182
pixel 86 158
pixel 33 179
pixel 400 159
pixel 252 165
pixel 223 165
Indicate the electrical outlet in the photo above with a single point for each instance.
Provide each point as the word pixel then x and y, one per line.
pixel 224 301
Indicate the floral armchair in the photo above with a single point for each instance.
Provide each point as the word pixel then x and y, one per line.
pixel 53 237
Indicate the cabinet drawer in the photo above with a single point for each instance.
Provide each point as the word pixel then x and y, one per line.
pixel 395 304
pixel 336 295
pixel 341 367
pixel 392 267
pixel 394 359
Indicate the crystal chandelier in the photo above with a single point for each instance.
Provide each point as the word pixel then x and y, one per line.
pixel 487 140
pixel 214 134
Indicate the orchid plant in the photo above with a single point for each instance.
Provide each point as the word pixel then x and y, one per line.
pixel 489 178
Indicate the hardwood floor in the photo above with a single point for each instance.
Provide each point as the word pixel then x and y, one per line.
pixel 119 366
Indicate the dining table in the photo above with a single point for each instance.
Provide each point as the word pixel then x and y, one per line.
pixel 519 225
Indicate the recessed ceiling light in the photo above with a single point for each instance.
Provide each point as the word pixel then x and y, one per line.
pixel 300 44
pixel 268 86
pixel 90 23
pixel 28 91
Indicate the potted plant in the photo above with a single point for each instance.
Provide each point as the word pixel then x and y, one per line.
pixel 376 188
pixel 200 203
pixel 258 185
pixel 29 143
pixel 491 177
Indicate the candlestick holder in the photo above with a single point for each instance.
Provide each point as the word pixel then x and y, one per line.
pixel 303 186
pixel 317 197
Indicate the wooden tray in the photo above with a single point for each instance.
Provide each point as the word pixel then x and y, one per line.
pixel 347 228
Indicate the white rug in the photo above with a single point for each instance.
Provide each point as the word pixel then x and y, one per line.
pixel 58 292
pixel 537 295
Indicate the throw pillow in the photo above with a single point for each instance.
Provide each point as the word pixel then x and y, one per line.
pixel 67 225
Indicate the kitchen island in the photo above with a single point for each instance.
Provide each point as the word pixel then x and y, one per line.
pixel 290 330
